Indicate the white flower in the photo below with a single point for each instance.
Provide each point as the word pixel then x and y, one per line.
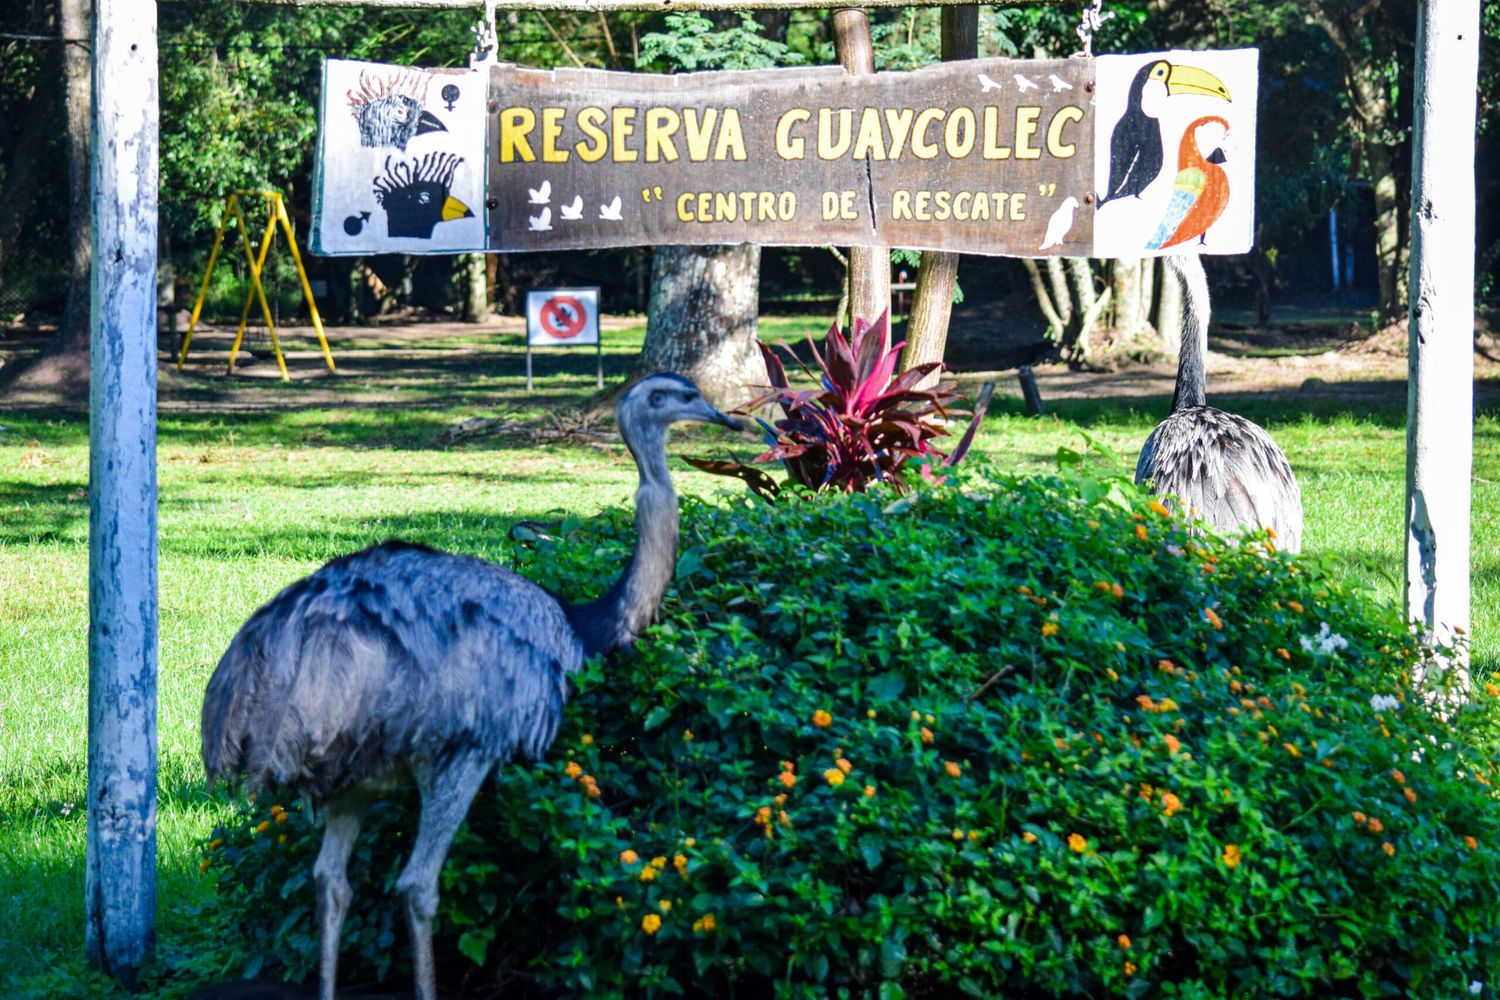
pixel 1475 987
pixel 1327 640
pixel 1384 702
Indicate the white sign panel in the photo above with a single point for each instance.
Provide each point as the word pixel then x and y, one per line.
pixel 1175 153
pixel 562 317
pixel 400 166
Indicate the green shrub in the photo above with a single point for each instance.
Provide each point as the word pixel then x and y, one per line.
pixel 1028 739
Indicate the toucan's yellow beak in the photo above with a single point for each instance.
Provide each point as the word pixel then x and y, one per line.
pixel 455 209
pixel 1191 80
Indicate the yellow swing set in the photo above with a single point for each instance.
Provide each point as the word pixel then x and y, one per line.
pixel 256 258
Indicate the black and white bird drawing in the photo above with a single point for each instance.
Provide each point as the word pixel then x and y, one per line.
pixel 611 211
pixel 573 209
pixel 388 109
pixel 540 195
pixel 1060 222
pixel 403 663
pixel 1226 469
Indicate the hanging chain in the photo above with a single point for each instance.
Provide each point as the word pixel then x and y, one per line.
pixel 486 39
pixel 1090 22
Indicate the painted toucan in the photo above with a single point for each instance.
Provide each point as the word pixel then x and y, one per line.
pixel 1135 150
pixel 1199 194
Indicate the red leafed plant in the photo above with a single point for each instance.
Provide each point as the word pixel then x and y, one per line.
pixel 860 426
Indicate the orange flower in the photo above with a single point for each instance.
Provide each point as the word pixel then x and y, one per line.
pixel 1281 652
pixel 1172 742
pixel 704 924
pixel 1295 606
pixel 953 769
pixel 1030 837
pixel 1389 849
pixel 1231 855
pixel 869 791
pixel 629 857
pixel 926 736
pixel 1170 803
pixel 1291 748
pixel 1166 666
pixel 679 861
pixel 1376 826
pixel 1049 628
pixel 1213 618
pixel 1471 843
pixel 262 826
pixel 1398 777
pixel 1359 817
pixel 1411 796
pixel 651 923
pixel 1077 843
pixel 1129 968
pixel 1117 591
pixel 1123 941
pixel 1160 508
pixel 787 778
pixel 822 719
pixel 1491 690
pixel 1141 533
pixel 572 770
pixel 843 764
pixel 204 866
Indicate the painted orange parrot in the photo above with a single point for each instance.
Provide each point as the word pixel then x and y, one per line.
pixel 1199 194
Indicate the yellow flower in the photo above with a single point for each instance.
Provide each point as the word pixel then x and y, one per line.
pixel 687 736
pixel 1028 836
pixel 916 716
pixel 1077 843
pixel 930 719
pixel 953 769
pixel 1123 941
pixel 869 713
pixel 843 764
pixel 573 770
pixel 1160 508
pixel 822 719
pixel 1231 855
pixel 869 791
pixel 1389 849
pixel 1141 533
pixel 658 863
pixel 834 776
pixel 648 874
pixel 704 924
pixel 666 906
pixel 587 740
pixel 1170 803
pixel 680 862
pixel 1050 628
pixel 973 834
pixel 1291 748
pixel 629 857
pixel 651 923
pixel 281 839
pixel 281 817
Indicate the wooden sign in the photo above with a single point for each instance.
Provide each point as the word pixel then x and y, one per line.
pixel 1120 156
pixel 980 156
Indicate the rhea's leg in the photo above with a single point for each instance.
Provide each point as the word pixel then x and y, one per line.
pixel 447 791
pixel 330 872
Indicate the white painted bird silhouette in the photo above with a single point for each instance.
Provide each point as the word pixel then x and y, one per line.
pixel 1059 84
pixel 1024 84
pixel 611 211
pixel 541 223
pixel 1060 223
pixel 541 195
pixel 986 84
pixel 573 209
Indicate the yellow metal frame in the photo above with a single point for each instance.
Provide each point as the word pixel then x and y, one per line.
pixel 256 258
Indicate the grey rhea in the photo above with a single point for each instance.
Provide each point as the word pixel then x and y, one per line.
pixel 1226 469
pixel 402 661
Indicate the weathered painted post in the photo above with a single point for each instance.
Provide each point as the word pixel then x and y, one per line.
pixel 1440 393
pixel 120 874
pixel 869 266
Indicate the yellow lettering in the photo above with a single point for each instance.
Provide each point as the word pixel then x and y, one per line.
pixel 552 123
pixel 515 125
pixel 960 205
pixel 898 120
pixel 828 149
pixel 1026 123
pixel 924 200
pixel 661 125
pixel 981 208
pixel 705 207
pixel 590 121
pixel 830 205
pixel 731 145
pixel 1018 206
pixel 959 145
pixel 870 141
pixel 685 208
pixel 786 204
pixel 901 205
pixel 622 122
pixel 767 206
pixel 724 208
pixel 998 197
pixel 747 203
pixel 1055 144
pixel 919 145
pixel 992 149
pixel 943 202
pixel 699 132
pixel 788 146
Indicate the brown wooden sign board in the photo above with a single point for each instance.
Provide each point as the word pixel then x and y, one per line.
pixel 980 156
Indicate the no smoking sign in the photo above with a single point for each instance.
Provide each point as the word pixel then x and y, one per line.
pixel 562 317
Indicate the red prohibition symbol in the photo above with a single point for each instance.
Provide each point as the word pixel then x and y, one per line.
pixel 562 317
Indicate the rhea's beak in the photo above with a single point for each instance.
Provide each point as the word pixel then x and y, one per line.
pixel 711 415
pixel 429 122
pixel 1191 80
pixel 455 209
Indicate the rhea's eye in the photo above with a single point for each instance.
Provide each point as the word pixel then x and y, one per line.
pixel 656 397
pixel 688 397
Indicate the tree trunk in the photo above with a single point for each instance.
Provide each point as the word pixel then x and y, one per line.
pixel 473 288
pixel 1391 256
pixel 60 373
pixel 1130 306
pixel 869 267
pixel 703 319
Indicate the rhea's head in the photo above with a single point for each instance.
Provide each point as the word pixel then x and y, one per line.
pixel 662 399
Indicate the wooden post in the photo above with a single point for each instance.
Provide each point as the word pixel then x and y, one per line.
pixel 1440 393
pixel 932 303
pixel 120 862
pixel 869 267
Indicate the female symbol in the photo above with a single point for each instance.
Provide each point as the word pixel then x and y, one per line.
pixel 451 94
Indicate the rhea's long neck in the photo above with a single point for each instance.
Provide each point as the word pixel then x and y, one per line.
pixel 1191 361
pixel 630 605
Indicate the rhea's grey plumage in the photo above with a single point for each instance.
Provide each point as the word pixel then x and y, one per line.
pixel 404 660
pixel 1225 468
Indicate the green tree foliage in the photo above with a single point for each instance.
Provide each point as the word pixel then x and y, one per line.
pixel 692 42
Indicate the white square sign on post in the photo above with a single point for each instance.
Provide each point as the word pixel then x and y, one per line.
pixel 563 317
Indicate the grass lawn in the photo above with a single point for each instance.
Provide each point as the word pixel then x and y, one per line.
pixel 251 500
